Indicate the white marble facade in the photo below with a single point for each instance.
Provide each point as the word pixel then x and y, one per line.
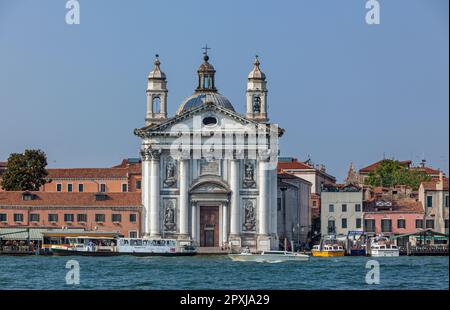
pixel 209 173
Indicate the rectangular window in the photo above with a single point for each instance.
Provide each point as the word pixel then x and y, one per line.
pixel 401 223
pixel 446 224
pixel 358 207
pixel 68 217
pixel 429 224
pixel 133 218
pixel 82 218
pixel 331 208
pixel 34 217
pixel 53 217
pixel 344 223
pixel 102 188
pixel 369 225
pixel 81 188
pixel 314 204
pixel 132 234
pixel 117 217
pixel 124 187
pixel 386 225
pixel 70 188
pixel 419 223
pixel 3 217
pixel 99 217
pixel 59 187
pixel 344 208
pixel 358 223
pixel 331 227
pixel 429 201
pixel 18 217
pixel 446 201
pixel 138 184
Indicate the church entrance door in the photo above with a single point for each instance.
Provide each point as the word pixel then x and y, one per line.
pixel 209 226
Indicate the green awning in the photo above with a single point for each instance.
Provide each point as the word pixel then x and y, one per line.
pixel 35 233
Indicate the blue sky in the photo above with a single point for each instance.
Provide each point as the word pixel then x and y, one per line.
pixel 343 90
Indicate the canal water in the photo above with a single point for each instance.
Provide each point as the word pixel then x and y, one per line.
pixel 219 272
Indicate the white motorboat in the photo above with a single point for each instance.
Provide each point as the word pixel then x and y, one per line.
pixel 269 257
pixel 382 247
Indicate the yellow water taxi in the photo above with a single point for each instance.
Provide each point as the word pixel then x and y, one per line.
pixel 327 251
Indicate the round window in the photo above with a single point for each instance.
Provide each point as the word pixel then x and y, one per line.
pixel 210 121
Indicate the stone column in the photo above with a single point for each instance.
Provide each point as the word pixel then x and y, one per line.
pixel 155 230
pixel 224 223
pixel 264 196
pixel 234 205
pixel 184 196
pixel 145 215
pixel 194 211
pixel 274 191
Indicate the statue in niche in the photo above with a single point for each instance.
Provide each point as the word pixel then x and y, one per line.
pixel 249 175
pixel 250 219
pixel 170 180
pixel 169 216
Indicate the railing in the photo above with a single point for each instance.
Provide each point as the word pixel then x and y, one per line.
pixel 16 249
pixel 425 250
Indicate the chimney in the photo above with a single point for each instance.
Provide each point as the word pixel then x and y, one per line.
pixel 440 184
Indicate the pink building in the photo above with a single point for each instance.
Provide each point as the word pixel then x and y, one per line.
pixel 110 212
pixel 393 217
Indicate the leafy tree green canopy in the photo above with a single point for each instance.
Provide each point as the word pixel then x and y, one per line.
pixel 25 172
pixel 391 173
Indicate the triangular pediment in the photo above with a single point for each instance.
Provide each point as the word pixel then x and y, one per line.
pixel 227 119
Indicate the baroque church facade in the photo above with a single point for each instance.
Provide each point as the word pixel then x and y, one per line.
pixel 209 173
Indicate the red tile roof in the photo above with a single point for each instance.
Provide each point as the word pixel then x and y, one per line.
pixel 88 173
pixel 429 171
pixel 406 205
pixel 372 167
pixel 295 164
pixel 69 199
pixel 433 185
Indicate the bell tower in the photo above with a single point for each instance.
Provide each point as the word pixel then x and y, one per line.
pixel 257 94
pixel 156 95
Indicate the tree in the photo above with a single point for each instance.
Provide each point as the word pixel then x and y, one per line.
pixel 392 172
pixel 25 172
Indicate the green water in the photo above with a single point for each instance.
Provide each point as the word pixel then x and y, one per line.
pixel 219 272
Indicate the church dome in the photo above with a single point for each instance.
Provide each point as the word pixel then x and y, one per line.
pixel 200 98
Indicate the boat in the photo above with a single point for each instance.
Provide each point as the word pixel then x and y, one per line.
pixel 381 246
pixel 268 257
pixel 329 247
pixel 356 243
pixel 328 250
pixel 86 246
pixel 154 247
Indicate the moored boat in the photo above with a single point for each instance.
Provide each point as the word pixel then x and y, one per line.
pixel 154 247
pixel 329 247
pixel 327 250
pixel 381 246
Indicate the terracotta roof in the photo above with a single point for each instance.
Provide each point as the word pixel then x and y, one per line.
pixel 429 171
pixel 3 164
pixel 406 205
pixel 133 165
pixel 432 185
pixel 88 173
pixel 294 164
pixel 374 165
pixel 69 199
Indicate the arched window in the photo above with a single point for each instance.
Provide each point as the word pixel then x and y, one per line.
pixel 256 104
pixel 156 105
